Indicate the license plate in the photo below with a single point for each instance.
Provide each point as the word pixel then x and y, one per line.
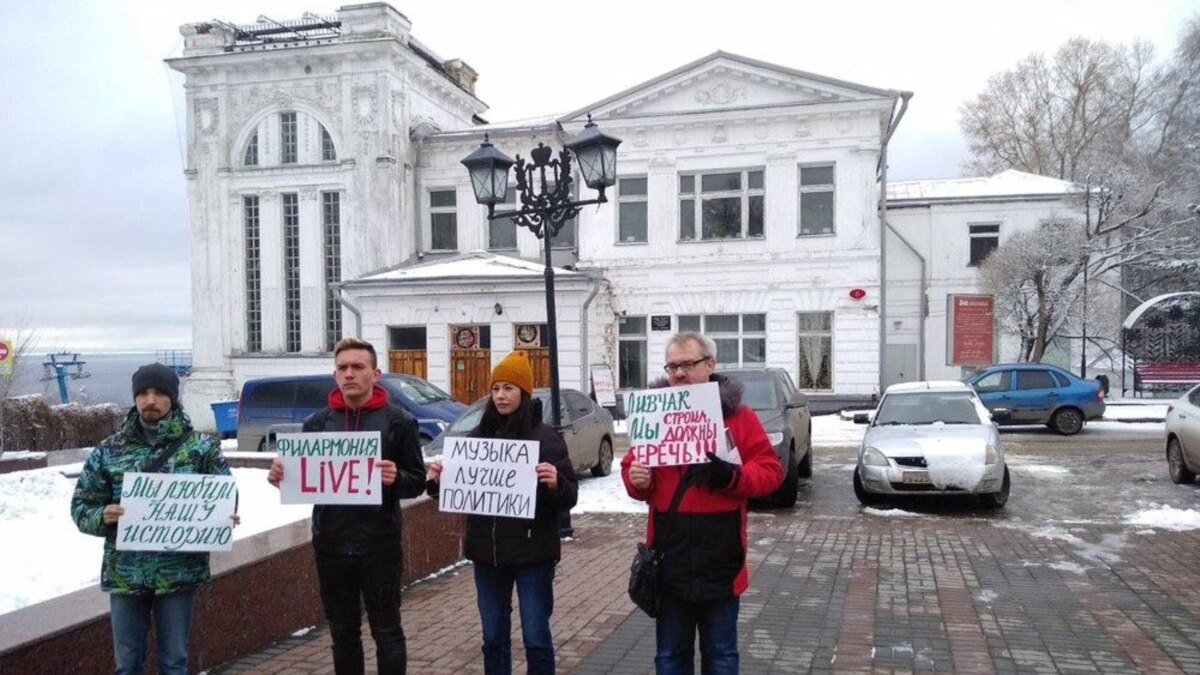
pixel 916 477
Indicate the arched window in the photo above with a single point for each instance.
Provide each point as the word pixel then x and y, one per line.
pixel 328 153
pixel 287 138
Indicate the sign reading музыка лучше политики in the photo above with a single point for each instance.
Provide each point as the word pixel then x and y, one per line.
pixel 330 468
pixel 489 477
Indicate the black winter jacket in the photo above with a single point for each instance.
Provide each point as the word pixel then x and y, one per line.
pixel 501 541
pixel 358 530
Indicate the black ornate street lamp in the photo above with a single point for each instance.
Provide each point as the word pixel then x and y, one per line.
pixel 544 191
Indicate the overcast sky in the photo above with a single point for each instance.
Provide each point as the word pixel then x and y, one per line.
pixel 93 207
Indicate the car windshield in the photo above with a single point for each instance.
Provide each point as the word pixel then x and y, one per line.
pixel 470 418
pixel 420 391
pixel 928 407
pixel 760 392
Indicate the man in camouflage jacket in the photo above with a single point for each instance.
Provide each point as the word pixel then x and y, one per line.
pixel 141 583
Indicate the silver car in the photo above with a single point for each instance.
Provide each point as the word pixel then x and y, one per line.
pixel 1183 437
pixel 587 429
pixel 931 438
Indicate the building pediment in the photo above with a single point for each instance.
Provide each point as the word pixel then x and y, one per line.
pixel 723 81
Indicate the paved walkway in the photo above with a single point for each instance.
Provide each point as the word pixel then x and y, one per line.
pixel 850 594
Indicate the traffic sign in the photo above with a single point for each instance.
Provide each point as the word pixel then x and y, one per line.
pixel 6 357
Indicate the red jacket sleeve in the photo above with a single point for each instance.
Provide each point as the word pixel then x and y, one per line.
pixel 761 472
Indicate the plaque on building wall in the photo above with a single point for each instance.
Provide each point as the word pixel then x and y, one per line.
pixel 971 328
pixel 660 322
pixel 466 337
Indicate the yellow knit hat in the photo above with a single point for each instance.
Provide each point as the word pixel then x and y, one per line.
pixel 514 368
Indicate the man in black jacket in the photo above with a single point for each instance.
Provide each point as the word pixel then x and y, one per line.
pixel 358 548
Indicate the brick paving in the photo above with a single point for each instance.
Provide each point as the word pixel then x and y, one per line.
pixel 852 592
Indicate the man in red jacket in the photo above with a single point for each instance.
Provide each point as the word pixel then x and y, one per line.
pixel 704 544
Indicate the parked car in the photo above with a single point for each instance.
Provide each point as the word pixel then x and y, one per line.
pixel 784 414
pixel 1183 437
pixel 931 438
pixel 587 429
pixel 1039 393
pixel 287 400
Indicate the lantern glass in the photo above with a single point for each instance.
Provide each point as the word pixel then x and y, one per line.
pixel 597 156
pixel 488 169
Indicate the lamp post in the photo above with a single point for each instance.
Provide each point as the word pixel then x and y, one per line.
pixel 544 190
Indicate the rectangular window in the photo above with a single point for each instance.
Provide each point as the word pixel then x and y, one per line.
pixel 741 338
pixel 502 232
pixel 566 234
pixel 443 220
pixel 632 213
pixel 815 342
pixel 287 138
pixel 726 205
pixel 328 153
pixel 816 200
pixel 984 240
pixel 631 352
pixel 331 218
pixel 291 271
pixel 253 273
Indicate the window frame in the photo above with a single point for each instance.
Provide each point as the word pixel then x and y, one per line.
pixel 820 188
pixel 331 230
pixel 642 198
pixel 698 196
pixel 292 302
pixel 451 210
pixel 509 203
pixel 829 333
pixel 637 338
pixel 701 323
pixel 975 232
pixel 289 138
pixel 252 231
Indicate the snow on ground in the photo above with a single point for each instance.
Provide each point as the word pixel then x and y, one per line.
pixel 1166 518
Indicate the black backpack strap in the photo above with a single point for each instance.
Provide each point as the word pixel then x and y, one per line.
pixel 675 499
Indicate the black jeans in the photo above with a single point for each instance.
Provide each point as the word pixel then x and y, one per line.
pixel 374 577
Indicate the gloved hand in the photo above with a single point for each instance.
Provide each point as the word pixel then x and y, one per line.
pixel 720 472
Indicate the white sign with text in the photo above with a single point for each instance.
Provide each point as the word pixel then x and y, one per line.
pixel 330 467
pixel 489 477
pixel 176 512
pixel 677 425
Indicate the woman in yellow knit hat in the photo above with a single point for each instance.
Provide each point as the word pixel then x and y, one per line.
pixel 514 551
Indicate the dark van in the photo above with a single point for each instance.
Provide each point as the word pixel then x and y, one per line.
pixel 288 400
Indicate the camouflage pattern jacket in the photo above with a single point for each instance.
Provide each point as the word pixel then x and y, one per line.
pixel 143 572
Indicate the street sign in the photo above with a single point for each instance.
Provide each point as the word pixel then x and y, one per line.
pixel 6 357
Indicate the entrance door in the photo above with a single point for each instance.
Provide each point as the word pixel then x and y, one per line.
pixel 469 373
pixel 409 362
pixel 539 360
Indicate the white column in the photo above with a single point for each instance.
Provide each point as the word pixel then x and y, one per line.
pixel 312 273
pixel 271 264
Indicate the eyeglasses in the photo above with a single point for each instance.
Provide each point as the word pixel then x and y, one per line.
pixel 686 366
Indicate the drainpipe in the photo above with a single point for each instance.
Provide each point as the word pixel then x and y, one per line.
pixel 337 288
pixel 596 277
pixel 881 170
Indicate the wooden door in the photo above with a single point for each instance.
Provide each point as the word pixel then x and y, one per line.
pixel 539 360
pixel 409 362
pixel 469 373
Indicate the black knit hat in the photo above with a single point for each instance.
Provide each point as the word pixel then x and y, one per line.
pixel 159 377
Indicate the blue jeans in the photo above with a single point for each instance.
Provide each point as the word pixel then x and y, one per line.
pixel 535 597
pixel 675 631
pixel 131 622
pixel 348 584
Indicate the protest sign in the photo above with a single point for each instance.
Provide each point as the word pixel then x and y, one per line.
pixel 176 512
pixel 677 425
pixel 489 477
pixel 603 387
pixel 330 467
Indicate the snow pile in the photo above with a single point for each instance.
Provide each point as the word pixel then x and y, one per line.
pixel 954 462
pixel 1166 518
pixel 890 513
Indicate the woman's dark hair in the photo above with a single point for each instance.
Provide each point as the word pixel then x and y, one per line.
pixel 517 425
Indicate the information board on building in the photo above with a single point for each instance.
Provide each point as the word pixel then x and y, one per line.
pixel 970 330
pixel 489 477
pixel 330 468
pixel 176 512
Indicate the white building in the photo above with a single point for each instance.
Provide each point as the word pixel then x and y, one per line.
pixel 324 167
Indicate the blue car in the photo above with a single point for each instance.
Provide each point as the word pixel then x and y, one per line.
pixel 268 401
pixel 1039 393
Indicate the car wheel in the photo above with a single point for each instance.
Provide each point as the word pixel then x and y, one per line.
pixel 604 460
pixel 865 498
pixel 997 500
pixel 785 496
pixel 1180 474
pixel 1067 421
pixel 806 463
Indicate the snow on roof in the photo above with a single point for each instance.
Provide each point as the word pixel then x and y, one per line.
pixel 1008 183
pixel 931 385
pixel 476 264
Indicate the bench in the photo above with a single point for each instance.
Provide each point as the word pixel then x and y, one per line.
pixel 1165 374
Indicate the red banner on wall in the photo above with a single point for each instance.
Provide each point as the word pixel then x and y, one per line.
pixel 970 330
